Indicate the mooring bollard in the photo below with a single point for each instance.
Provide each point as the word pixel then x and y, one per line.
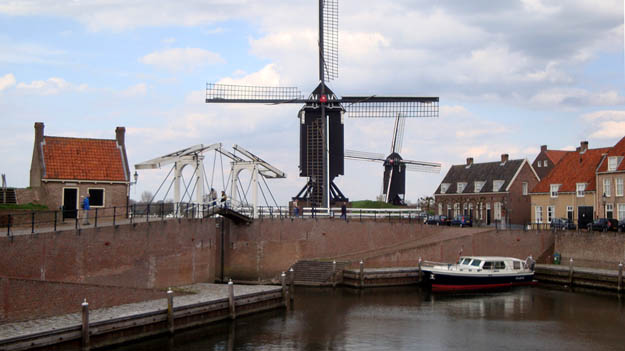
pixel 420 271
pixel 333 274
pixel 571 271
pixel 85 344
pixel 361 275
pixel 231 299
pixel 285 297
pixel 292 280
pixel 620 277
pixel 170 311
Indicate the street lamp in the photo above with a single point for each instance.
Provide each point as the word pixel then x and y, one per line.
pixel 136 177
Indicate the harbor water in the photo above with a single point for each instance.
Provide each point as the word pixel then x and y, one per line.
pixel 409 318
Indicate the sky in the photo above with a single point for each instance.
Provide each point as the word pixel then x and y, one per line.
pixel 511 76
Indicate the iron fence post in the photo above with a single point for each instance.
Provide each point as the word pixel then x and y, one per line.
pixel 32 222
pixel 77 215
pixel 147 215
pixel 55 221
pixel 113 216
pixel 162 210
pixel 9 225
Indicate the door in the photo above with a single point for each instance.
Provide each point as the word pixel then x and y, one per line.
pixel 70 200
pixel 585 216
pixel 488 216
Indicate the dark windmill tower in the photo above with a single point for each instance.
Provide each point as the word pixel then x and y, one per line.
pixel 395 167
pixel 321 117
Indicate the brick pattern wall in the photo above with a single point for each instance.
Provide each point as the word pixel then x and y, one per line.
pixel 594 249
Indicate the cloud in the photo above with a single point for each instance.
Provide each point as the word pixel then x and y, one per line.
pixel 7 81
pixel 606 124
pixel 135 90
pixel 182 59
pixel 575 97
pixel 52 86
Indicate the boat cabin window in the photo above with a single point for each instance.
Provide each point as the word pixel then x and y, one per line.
pixel 476 263
pixel 487 265
pixel 516 264
pixel 500 265
pixel 466 261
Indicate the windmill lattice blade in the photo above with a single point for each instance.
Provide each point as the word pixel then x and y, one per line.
pixel 418 166
pixel 364 156
pixel 222 93
pixel 400 135
pixel 331 39
pixel 389 107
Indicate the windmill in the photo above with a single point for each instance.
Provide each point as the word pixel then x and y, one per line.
pixel 395 167
pixel 321 157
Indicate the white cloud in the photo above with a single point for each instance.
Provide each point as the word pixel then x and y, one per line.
pixel 52 86
pixel 7 81
pixel 575 97
pixel 181 59
pixel 606 124
pixel 135 90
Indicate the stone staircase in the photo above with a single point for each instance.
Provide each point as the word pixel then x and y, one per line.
pixel 316 273
pixel 8 197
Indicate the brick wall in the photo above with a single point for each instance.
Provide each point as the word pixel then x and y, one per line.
pixel 22 299
pixel 594 249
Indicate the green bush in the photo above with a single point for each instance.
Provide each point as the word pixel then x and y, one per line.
pixel 373 204
pixel 28 206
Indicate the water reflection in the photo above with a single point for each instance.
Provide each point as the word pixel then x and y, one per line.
pixel 409 318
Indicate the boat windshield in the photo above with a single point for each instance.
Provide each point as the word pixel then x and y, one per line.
pixel 476 263
pixel 466 261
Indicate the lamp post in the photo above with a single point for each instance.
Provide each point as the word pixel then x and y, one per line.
pixel 136 177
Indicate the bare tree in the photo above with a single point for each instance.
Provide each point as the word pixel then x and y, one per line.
pixel 146 196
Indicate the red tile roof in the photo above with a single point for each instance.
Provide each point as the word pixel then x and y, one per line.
pixel 82 159
pixel 573 168
pixel 555 155
pixel 617 150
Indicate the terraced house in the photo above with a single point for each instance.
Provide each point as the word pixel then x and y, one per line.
pixel 490 192
pixel 610 202
pixel 569 190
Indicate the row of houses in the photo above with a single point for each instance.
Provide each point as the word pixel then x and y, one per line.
pixel 579 185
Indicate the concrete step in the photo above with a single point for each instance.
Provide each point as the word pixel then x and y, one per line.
pixel 315 272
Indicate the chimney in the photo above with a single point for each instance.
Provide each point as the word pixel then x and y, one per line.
pixel 504 158
pixel 38 132
pixel 578 149
pixel 583 146
pixel 469 161
pixel 543 148
pixel 120 135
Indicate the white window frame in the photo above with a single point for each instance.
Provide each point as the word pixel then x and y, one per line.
pixel 478 185
pixel 612 163
pixel 440 209
pixel 551 213
pixel 580 189
pixel 525 188
pixel 460 186
pixel 570 209
pixel 621 212
pixel 609 207
pixel 618 187
pixel 553 190
pixel 444 187
pixel 497 215
pixel 539 163
pixel 545 163
pixel 607 187
pixel 538 213
pixel 497 182
pixel 103 197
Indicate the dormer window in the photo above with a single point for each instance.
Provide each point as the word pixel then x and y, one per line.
pixel 581 188
pixel 497 184
pixel 444 187
pixel 554 190
pixel 478 186
pixel 545 163
pixel 460 187
pixel 612 163
pixel 539 163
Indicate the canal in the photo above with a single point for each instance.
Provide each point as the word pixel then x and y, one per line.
pixel 409 318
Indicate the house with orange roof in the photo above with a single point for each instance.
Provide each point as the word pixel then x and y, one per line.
pixel 569 190
pixel 63 170
pixel 546 160
pixel 610 201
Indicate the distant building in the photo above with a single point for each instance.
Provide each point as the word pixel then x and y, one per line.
pixel 569 190
pixel 488 192
pixel 64 169
pixel 610 199
pixel 546 160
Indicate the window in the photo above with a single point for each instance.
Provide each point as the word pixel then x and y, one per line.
pixel 479 210
pixel 497 210
pixel 440 209
pixel 581 187
pixel 478 186
pixel 471 210
pixel 539 214
pixel 96 197
pixel 606 187
pixel 539 164
pixel 444 187
pixel 525 190
pixel 621 212
pixel 487 265
pixel 618 186
pixel 545 163
pixel 551 212
pixel 554 190
pixel 476 263
pixel 500 265
pixel 612 161
pixel 609 210
pixel 448 210
pixel 569 212
pixel 456 209
pixel 497 184
pixel 460 187
pixel 464 209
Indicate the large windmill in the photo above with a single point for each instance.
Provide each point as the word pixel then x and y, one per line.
pixel 395 167
pixel 321 117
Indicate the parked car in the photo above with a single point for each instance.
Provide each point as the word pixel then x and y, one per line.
pixel 437 220
pixel 603 225
pixel 462 221
pixel 563 224
pixel 621 226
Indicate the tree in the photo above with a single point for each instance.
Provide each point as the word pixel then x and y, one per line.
pixel 146 196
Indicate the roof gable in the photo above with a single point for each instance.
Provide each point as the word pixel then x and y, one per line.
pixel 573 168
pixel 555 155
pixel 83 159
pixel 477 172
pixel 616 150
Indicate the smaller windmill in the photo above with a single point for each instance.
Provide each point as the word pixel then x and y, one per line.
pixel 395 167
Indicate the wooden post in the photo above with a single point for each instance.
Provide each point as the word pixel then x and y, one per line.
pixel 231 299
pixel 85 344
pixel 420 271
pixel 170 311
pixel 285 296
pixel 361 275
pixel 333 274
pixel 292 289
pixel 620 277
pixel 571 271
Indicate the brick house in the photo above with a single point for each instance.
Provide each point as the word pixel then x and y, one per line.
pixel 64 169
pixel 568 191
pixel 546 160
pixel 488 192
pixel 610 200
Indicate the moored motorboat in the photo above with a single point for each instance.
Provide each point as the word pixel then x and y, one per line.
pixel 478 273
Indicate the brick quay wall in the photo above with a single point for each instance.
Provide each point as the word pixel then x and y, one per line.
pixel 591 249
